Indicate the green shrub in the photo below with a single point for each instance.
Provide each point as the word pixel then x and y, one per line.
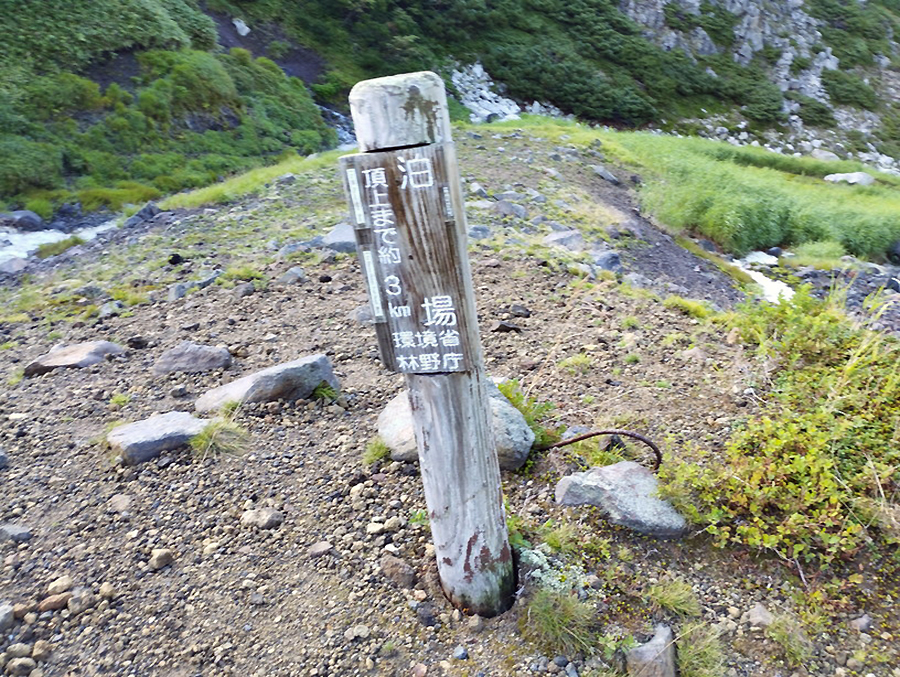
pixel 805 478
pixel 61 94
pixel 533 411
pixel 40 206
pixel 49 249
pixel 675 596
pixel 849 90
pixel 813 112
pixel 27 164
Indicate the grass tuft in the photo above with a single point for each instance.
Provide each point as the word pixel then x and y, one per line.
pixel 558 623
pixel 675 596
pixel 376 450
pixel 220 436
pixel 700 651
pixel 49 249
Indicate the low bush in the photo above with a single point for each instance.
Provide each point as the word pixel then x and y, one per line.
pixel 809 479
pixel 848 89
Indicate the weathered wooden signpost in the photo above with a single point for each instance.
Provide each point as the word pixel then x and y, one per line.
pixel 407 207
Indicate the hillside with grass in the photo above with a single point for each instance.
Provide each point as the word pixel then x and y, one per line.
pixel 105 104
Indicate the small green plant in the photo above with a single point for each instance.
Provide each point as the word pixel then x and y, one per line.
pixel 119 400
pixel 689 307
pixel 376 450
pixel 700 651
pixel 8 345
pixel 220 436
pixel 230 409
pixel 826 254
pixel 630 322
pixel 49 249
pixel 576 364
pixel 325 392
pixel 632 358
pixel 558 623
pixel 15 378
pixel 675 596
pixel 515 526
pixel 533 411
pixel 562 537
pixel 786 631
pixel 419 517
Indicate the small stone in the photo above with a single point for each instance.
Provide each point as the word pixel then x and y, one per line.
pixel 55 602
pixel 356 632
pixel 119 503
pixel 506 327
pixel 159 558
pixel 177 391
pixel 107 591
pixel 656 658
pixel 20 666
pixel 374 528
pixel 82 599
pixel 77 355
pixel 319 549
pixel 398 571
pixel 18 650
pixel 393 523
pixel 862 624
pixel 419 670
pixel 7 617
pixel 192 358
pixel 14 532
pixel 4 459
pixel 475 623
pixel 61 584
pixel 41 651
pixel 30 618
pixel 460 653
pixel 262 518
pixel 211 548
pixel 852 663
pixel 760 616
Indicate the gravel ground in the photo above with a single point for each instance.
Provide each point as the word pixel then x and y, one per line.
pixel 236 599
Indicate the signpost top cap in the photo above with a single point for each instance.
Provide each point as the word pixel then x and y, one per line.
pixel 400 111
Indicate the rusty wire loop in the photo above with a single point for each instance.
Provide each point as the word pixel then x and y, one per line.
pixel 626 433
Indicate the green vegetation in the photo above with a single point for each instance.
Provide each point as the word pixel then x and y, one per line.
pixel 577 364
pixel 53 248
pixel 376 450
pixel 220 436
pixel 690 307
pixel 809 478
pixel 675 596
pixel 558 623
pixel 849 90
pixel 534 412
pixel 324 392
pixel 788 633
pixel 119 400
pixel 700 652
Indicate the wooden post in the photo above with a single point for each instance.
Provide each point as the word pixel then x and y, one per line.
pixel 408 210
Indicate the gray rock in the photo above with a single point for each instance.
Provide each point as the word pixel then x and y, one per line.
pixel 512 435
pixel 144 440
pixel 505 208
pixel 192 358
pixel 243 290
pixel 656 658
pixel 605 174
pixel 4 459
pixel 110 308
pixel 398 571
pixel 24 220
pixel 179 290
pixel 626 492
pixel 81 600
pixel 824 155
pixel 14 532
pixel 477 189
pixel 77 355
pixel 319 549
pixel 263 518
pixel 460 653
pixel 855 178
pixel 7 617
pixel 291 380
pixel 340 239
pixel 160 558
pixel 479 232
pixel 862 624
pixel 760 616
pixel 608 260
pixel 148 211
pixel 20 666
pixel 509 196
pixel 13 265
pixel 292 248
pixel 294 275
pixel 568 239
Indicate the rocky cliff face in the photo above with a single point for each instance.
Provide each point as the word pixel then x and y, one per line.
pixel 758 25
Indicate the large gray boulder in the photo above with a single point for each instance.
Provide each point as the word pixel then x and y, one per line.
pixel 144 440
pixel 340 239
pixel 626 492
pixel 192 358
pixel 288 381
pixel 23 219
pixel 605 174
pixel 572 240
pixel 656 658
pixel 853 178
pixel 74 356
pixel 512 435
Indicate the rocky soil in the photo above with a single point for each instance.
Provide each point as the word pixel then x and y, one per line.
pixel 296 558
